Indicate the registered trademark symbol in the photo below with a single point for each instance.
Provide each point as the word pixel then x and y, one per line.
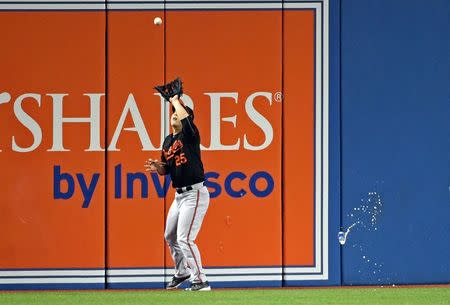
pixel 278 97
pixel 5 97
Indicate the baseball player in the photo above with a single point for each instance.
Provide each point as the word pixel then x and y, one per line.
pixel 181 159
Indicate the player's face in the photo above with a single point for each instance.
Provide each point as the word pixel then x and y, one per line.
pixel 174 121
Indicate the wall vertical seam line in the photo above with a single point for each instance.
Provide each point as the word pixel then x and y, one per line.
pixel 106 147
pixel 340 137
pixel 282 144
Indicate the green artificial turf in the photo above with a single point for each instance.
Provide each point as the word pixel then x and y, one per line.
pixel 341 296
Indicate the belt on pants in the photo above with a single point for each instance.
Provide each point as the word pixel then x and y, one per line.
pixel 197 186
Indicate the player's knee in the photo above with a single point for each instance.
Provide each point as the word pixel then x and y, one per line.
pixel 182 240
pixel 170 238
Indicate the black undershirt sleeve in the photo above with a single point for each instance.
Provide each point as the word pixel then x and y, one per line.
pixel 189 128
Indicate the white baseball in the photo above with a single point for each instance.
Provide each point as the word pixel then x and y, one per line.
pixel 157 21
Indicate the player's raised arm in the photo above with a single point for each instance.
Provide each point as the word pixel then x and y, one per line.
pixel 186 117
pixel 179 109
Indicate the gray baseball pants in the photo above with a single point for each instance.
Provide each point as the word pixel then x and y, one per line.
pixel 184 220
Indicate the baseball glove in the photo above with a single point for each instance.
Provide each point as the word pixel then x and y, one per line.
pixel 171 89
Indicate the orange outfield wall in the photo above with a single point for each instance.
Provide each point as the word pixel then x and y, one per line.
pixel 50 53
pixel 231 60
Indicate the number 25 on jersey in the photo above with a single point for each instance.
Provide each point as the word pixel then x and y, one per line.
pixel 181 159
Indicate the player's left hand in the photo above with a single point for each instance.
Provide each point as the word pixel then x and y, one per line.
pixel 151 165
